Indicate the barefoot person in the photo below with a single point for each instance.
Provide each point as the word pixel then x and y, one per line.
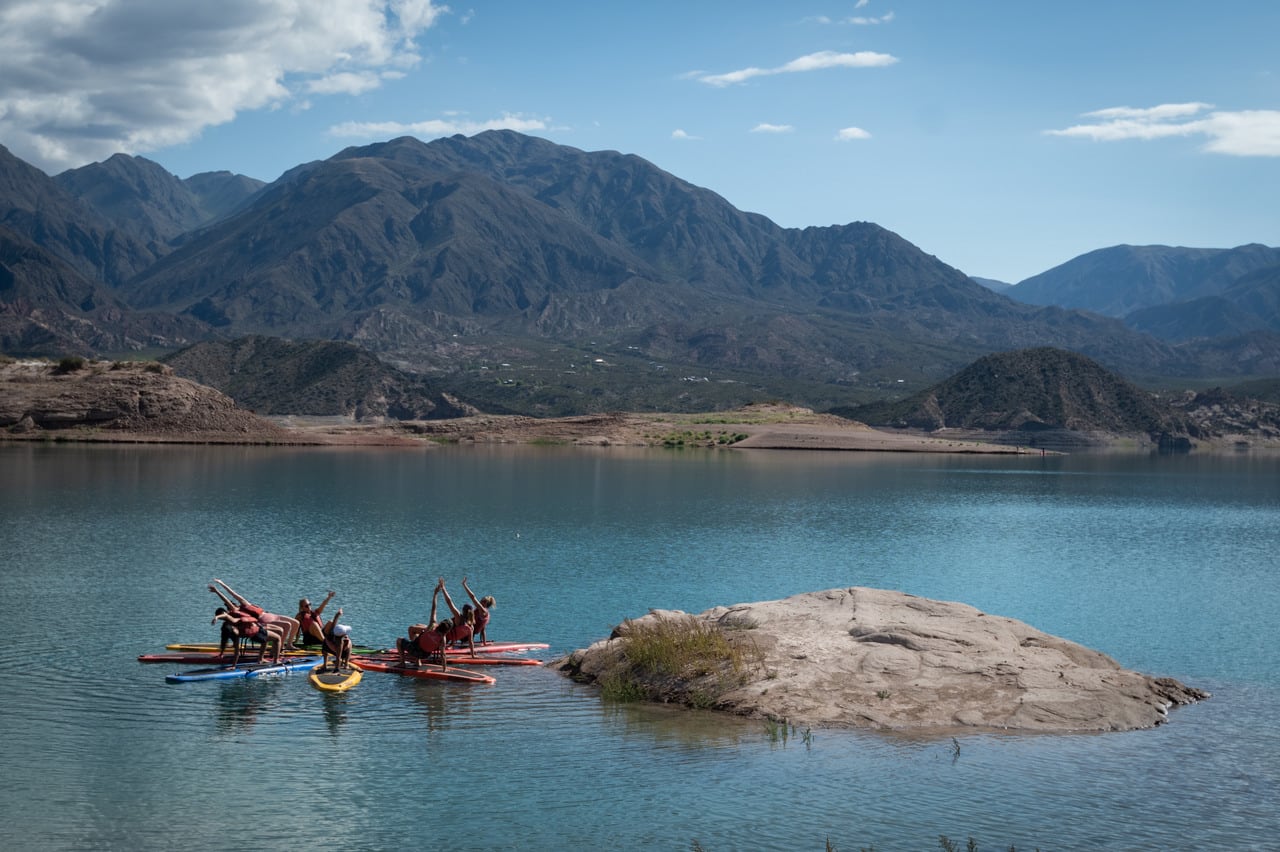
pixel 463 622
pixel 337 641
pixel 248 627
pixel 288 625
pixel 426 641
pixel 482 607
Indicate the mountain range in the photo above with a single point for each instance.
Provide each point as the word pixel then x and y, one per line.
pixel 524 275
pixel 1175 294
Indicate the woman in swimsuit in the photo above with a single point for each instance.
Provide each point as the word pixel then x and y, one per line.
pixel 483 605
pixel 463 621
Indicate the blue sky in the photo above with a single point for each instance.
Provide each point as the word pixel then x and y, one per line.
pixel 1005 137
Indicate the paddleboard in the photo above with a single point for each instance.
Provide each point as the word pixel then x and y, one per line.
pixel 305 651
pixel 490 648
pixel 426 671
pixel 501 648
pixel 243 670
pixel 331 681
pixel 459 659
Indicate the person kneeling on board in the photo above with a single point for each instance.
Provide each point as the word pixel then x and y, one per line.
pixel 337 641
pixel 425 643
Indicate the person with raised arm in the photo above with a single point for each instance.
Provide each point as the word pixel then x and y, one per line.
pixel 288 625
pixel 248 627
pixel 463 622
pixel 311 621
pixel 482 607
pixel 426 641
pixel 337 641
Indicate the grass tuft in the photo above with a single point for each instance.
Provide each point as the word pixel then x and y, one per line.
pixel 677 659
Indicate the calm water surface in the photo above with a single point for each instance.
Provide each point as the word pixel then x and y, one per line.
pixel 1168 564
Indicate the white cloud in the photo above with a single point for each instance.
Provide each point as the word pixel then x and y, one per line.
pixel 850 133
pixel 772 128
pixel 680 134
pixel 1250 133
pixel 83 79
pixel 345 82
pixel 861 21
pixel 811 62
pixel 434 127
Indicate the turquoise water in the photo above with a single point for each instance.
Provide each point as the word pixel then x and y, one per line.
pixel 1169 564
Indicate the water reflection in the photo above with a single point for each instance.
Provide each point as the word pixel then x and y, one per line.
pixel 334 707
pixel 240 702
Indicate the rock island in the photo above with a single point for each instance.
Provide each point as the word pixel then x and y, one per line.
pixel 861 657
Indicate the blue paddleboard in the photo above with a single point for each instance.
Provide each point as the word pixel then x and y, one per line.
pixel 243 670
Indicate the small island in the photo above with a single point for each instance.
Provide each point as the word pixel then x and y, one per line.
pixel 871 658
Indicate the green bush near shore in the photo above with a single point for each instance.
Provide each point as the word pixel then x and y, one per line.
pixel 678 659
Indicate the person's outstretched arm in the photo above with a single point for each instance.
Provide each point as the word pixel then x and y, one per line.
pixel 227 602
pixel 325 603
pixel 231 591
pixel 448 600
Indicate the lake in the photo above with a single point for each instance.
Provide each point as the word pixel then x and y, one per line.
pixel 1167 563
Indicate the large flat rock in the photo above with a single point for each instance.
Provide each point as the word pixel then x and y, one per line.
pixel 860 657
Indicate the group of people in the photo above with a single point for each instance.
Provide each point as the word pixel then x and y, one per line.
pixel 430 641
pixel 243 620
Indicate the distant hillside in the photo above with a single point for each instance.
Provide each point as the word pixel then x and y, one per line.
pixel 1250 304
pixel 273 376
pixel 1118 280
pixel 1028 390
pixel 141 197
pixel 1001 287
pixel 36 208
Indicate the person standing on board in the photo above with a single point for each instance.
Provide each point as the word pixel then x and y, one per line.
pixel 483 605
pixel 287 624
pixel 311 621
pixel 248 627
pixel 337 641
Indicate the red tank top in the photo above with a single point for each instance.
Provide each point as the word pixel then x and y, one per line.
pixel 430 641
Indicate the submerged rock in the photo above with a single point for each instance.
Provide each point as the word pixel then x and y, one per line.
pixel 861 657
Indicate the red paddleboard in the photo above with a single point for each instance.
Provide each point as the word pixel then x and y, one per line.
pixel 499 648
pixel 425 671
pixel 455 659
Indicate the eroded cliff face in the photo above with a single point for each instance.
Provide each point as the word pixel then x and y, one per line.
pixel 859 657
pixel 78 399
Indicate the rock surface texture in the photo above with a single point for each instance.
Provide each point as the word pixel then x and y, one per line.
pixel 860 657
pixel 141 400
